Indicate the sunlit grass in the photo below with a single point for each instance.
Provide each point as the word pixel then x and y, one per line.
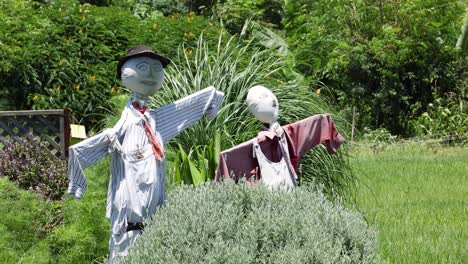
pixel 416 196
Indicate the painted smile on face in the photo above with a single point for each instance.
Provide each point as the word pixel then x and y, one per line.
pixel 143 75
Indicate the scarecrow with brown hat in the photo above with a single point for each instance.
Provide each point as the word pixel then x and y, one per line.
pixel 136 146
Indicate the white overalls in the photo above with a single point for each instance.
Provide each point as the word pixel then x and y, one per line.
pixel 276 175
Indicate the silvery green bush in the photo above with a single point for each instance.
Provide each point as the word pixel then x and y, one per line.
pixel 228 223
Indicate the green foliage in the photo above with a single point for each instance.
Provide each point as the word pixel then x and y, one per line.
pixel 33 230
pixel 377 136
pixel 443 119
pixel 462 42
pixel 29 164
pixel 69 58
pixel 198 166
pixel 167 34
pixel 233 14
pixel 152 8
pixel 63 54
pixel 26 219
pixel 229 223
pixel 84 236
pixel 387 58
pixel 96 2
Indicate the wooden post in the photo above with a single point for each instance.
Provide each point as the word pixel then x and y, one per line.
pixel 67 132
pixel 352 126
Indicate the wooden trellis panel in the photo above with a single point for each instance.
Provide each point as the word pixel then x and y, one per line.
pixel 51 126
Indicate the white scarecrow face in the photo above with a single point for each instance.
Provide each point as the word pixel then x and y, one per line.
pixel 143 75
pixel 263 104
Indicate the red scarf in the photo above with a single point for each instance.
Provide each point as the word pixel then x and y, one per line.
pixel 158 149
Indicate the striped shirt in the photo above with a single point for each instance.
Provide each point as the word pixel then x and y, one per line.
pixel 127 140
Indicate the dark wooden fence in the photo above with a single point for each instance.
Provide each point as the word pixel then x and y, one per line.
pixel 51 126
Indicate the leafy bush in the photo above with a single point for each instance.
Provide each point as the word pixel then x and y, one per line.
pixel 63 55
pixel 377 139
pixel 377 136
pixel 151 8
pixel 228 223
pixel 443 119
pixel 387 58
pixel 167 34
pixel 29 164
pixel 234 14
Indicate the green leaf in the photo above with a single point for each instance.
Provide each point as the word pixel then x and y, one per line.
pixel 196 175
pixel 185 167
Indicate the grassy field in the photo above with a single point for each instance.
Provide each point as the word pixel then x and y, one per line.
pixel 416 196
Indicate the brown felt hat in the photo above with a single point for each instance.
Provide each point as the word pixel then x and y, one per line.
pixel 140 51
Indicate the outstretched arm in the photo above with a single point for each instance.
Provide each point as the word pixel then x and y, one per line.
pixel 83 155
pixel 175 117
pixel 314 130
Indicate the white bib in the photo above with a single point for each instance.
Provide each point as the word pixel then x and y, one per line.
pixel 275 175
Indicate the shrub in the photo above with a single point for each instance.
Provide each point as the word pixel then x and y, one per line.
pixel 229 223
pixel 378 136
pixel 67 231
pixel 63 55
pixel 234 13
pixel 387 58
pixel 443 119
pixel 29 164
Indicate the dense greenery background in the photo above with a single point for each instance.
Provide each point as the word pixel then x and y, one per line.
pixel 388 59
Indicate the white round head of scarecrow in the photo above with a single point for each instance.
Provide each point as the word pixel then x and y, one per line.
pixel 142 71
pixel 263 104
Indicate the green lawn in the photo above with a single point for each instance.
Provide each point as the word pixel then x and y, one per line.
pixel 80 234
pixel 416 197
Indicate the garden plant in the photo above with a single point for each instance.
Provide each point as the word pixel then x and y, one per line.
pixel 239 223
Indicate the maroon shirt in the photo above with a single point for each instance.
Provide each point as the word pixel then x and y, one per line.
pixel 301 136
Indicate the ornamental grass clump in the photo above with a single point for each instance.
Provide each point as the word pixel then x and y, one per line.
pixel 228 223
